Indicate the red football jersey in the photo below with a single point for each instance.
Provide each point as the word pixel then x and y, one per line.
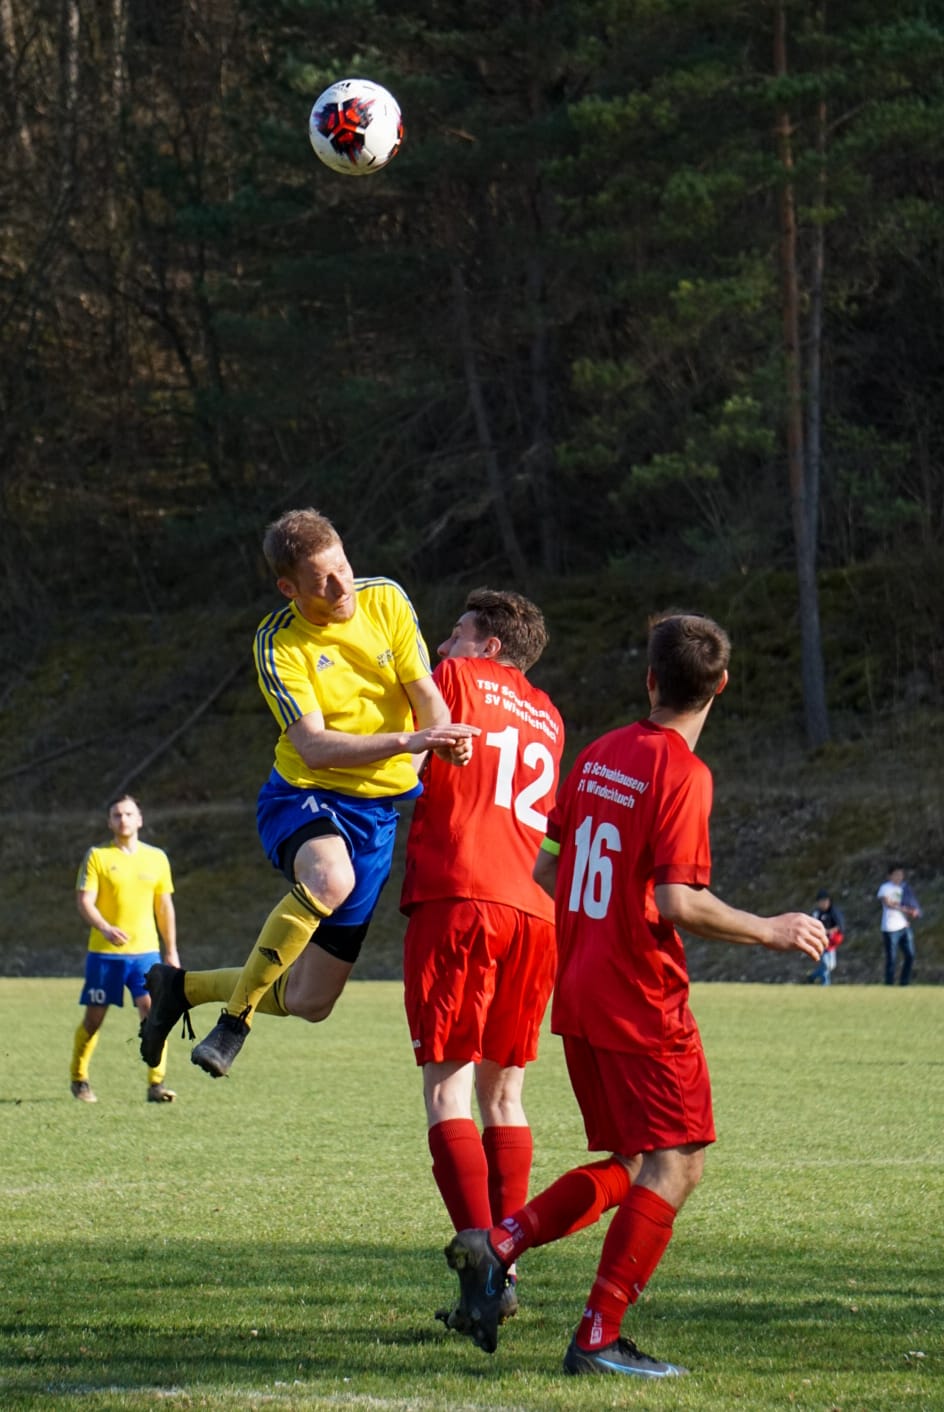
pixel 633 812
pixel 477 828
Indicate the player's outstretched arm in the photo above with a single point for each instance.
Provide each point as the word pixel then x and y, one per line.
pixel 324 748
pixel 429 708
pixel 454 743
pixel 699 911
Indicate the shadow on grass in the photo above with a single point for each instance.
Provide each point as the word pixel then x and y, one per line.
pixel 32 1101
pixel 184 1313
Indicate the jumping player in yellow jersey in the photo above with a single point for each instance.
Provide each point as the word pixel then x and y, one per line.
pixel 124 891
pixel 346 673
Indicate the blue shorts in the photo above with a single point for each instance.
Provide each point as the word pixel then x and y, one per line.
pixel 368 827
pixel 106 977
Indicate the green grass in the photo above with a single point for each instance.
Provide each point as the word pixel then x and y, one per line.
pixel 806 1272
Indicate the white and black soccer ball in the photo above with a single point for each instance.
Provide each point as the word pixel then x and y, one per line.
pixel 355 127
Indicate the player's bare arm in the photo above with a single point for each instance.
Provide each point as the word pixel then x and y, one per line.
pixel 88 911
pixel 698 910
pixel 166 918
pixel 460 753
pixel 544 871
pixel 429 707
pixel 431 711
pixel 323 748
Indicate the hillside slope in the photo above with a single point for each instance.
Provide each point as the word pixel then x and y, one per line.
pixel 174 715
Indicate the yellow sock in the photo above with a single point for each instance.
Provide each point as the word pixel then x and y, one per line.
pixel 83 1046
pixel 273 1002
pixel 288 929
pixel 156 1075
pixel 201 987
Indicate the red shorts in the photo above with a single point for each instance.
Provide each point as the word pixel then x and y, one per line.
pixel 477 979
pixel 640 1102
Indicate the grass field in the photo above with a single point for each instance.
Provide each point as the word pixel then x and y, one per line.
pixel 807 1272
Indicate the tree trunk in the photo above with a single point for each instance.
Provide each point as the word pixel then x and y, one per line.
pixel 814 371
pixel 493 472
pixel 539 458
pixel 116 97
pixel 71 24
pixel 18 121
pixel 811 650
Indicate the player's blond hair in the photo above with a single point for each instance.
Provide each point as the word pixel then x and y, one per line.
pixel 295 535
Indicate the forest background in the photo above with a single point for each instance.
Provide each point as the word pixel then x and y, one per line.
pixel 648 311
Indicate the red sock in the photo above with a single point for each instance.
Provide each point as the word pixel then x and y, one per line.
pixel 575 1200
pixel 461 1172
pixel 508 1152
pixel 634 1245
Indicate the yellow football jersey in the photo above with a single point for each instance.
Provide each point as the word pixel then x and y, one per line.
pixel 125 886
pixel 353 673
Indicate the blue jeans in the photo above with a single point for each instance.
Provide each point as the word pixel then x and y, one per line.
pixel 903 938
pixel 823 975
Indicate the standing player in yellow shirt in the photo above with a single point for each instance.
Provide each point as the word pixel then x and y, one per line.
pixel 345 671
pixel 124 891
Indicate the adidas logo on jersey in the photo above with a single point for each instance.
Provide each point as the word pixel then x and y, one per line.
pixel 323 661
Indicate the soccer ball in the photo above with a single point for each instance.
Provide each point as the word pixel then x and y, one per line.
pixel 355 127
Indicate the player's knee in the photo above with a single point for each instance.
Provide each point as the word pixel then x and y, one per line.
pixel 326 871
pixel 673 1173
pixel 692 1172
pixel 332 886
pixel 503 1113
pixel 335 892
pixel 314 1009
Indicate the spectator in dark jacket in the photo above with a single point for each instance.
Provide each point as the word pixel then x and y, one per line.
pixel 832 920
